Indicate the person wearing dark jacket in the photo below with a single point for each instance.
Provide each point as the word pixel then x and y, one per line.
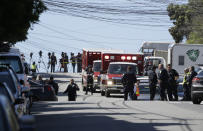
pixel 53 62
pixel 54 84
pixel 191 75
pixel 173 88
pixel 152 82
pixel 163 81
pixel 128 80
pixel 72 90
pixel 90 74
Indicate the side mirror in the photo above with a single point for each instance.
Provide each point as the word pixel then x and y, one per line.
pixel 19 101
pixel 27 123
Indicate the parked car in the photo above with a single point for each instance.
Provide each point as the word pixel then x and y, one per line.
pixel 42 92
pixel 8 76
pixel 13 58
pixel 10 122
pixel 197 88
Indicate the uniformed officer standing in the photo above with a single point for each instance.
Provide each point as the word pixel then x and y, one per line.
pixel 173 88
pixel 152 82
pixel 128 80
pixel 53 62
pixel 185 85
pixel 191 75
pixel 89 81
pixel 34 67
pixel 71 90
pixel 163 81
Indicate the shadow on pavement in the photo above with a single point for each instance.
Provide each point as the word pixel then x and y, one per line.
pixel 67 118
pixel 92 122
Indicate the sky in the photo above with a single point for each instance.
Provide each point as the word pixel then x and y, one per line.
pixel 69 26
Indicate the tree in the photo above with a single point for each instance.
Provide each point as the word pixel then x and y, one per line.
pixel 16 17
pixel 186 19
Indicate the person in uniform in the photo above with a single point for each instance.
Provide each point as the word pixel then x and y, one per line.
pixel 79 63
pixel 89 81
pixel 66 62
pixel 73 61
pixel 163 81
pixel 34 67
pixel 128 80
pixel 71 90
pixel 191 75
pixel 152 82
pixel 185 85
pixel 53 62
pixel 173 88
pixel 54 84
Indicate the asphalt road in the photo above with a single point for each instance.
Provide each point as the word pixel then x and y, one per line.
pixel 97 113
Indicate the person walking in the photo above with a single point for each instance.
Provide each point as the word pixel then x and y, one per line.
pixel 128 80
pixel 79 63
pixel 173 88
pixel 191 75
pixel 185 85
pixel 53 62
pixel 72 90
pixel 152 82
pixel 163 82
pixel 73 61
pixel 54 84
pixel 89 81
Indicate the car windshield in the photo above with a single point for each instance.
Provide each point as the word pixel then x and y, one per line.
pixel 13 61
pixel 97 66
pixel 121 68
pixel 5 77
pixel 152 62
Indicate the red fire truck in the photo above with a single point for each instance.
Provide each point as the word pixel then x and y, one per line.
pixel 113 67
pixel 92 58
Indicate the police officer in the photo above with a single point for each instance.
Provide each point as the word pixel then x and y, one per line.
pixel 53 62
pixel 79 63
pixel 128 80
pixel 173 88
pixel 73 61
pixel 163 81
pixel 185 85
pixel 89 81
pixel 191 75
pixel 71 90
pixel 152 82
pixel 66 62
pixel 34 67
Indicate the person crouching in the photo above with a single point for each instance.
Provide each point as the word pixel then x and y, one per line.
pixel 71 90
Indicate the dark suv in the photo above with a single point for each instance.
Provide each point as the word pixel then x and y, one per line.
pixel 197 88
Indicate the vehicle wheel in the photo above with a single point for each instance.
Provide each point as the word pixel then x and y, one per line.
pixel 107 94
pixel 102 93
pixel 196 100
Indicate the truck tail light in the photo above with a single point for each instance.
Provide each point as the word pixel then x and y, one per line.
pixel 122 57
pixel 106 57
pixel 128 57
pixel 134 58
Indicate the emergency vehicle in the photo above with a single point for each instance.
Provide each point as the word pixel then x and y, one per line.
pixel 114 66
pixel 90 58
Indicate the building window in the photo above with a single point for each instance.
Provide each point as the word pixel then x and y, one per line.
pixel 181 60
